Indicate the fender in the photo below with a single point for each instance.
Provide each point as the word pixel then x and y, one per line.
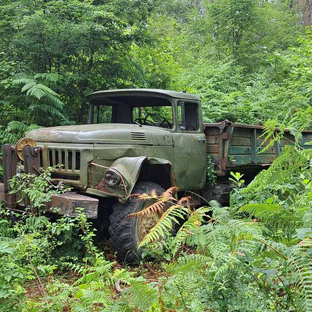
pixel 129 170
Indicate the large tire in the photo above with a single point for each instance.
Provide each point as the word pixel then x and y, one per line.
pixel 126 233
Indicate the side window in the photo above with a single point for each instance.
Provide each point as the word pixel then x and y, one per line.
pixel 102 114
pixel 188 116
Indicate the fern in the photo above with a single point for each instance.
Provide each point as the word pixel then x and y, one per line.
pixel 281 173
pixel 101 269
pixel 194 220
pixel 270 134
pixel 156 208
pixel 300 262
pixel 169 193
pixel 7 245
pixel 14 131
pixel 188 263
pixel 46 101
pixel 266 211
pixel 142 296
pixel 164 224
pixel 168 217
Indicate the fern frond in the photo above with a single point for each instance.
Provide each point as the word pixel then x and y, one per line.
pixel 164 224
pixel 145 196
pixel 7 245
pixel 186 200
pixel 170 192
pixel 142 296
pixel 271 134
pixel 50 102
pixel 281 172
pixel 16 126
pixel 266 211
pixel 95 294
pixel 22 80
pixel 156 208
pixel 46 109
pixel 101 269
pixel 28 86
pixel 51 77
pixel 215 239
pixel 194 221
pixel 300 262
pixel 192 261
pixel 34 223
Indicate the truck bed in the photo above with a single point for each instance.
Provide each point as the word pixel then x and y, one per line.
pixel 233 146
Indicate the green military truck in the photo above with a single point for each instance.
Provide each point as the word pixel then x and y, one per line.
pixel 137 141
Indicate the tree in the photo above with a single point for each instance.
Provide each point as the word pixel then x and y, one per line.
pixel 87 43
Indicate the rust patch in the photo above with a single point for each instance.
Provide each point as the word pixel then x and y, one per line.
pixel 67 203
pixel 100 186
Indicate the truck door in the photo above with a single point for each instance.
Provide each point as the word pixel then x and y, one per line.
pixel 189 141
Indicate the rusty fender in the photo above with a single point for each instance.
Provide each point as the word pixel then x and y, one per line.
pixel 128 169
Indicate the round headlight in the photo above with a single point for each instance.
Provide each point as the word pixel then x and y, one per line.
pixel 111 177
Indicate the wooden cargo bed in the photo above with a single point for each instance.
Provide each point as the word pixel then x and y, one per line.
pixel 238 146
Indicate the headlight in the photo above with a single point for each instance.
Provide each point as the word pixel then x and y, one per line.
pixel 111 177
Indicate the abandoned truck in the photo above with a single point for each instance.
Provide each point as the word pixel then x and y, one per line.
pixel 137 141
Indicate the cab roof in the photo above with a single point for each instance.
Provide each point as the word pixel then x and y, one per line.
pixel 143 92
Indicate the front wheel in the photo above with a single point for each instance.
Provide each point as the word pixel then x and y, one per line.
pixel 126 233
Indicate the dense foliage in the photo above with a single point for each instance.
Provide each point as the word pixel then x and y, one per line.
pixel 245 58
pixel 254 255
pixel 250 61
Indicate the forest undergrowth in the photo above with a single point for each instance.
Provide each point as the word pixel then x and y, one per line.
pixel 254 255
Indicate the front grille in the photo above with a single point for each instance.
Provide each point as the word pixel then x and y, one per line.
pixel 73 177
pixel 138 136
pixel 68 160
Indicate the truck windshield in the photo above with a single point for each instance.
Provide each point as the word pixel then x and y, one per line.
pixel 149 113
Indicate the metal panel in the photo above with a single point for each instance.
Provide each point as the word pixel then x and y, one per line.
pixel 9 160
pixel 66 204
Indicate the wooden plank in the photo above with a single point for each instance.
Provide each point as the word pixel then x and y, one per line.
pixel 212 131
pixel 212 139
pixel 240 141
pixel 1 192
pixel 9 160
pixel 213 149
pixel 239 160
pixel 253 145
pixel 239 150
pixel 241 132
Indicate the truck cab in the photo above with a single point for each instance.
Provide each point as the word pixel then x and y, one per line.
pixel 137 135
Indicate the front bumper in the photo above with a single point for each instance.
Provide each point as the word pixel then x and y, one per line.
pixel 63 204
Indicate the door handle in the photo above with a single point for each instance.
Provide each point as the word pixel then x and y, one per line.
pixel 201 140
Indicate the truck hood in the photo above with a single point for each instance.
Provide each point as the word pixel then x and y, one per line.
pixel 103 133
